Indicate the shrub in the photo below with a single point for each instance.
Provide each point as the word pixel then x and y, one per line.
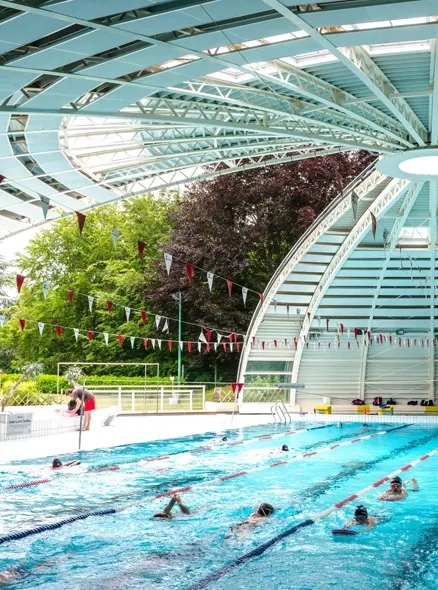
pixel 26 394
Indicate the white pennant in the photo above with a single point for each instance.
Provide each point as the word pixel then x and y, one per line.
pixel 166 326
pixel 115 234
pixel 128 313
pixel 45 204
pixel 181 344
pixel 319 321
pixel 76 333
pixel 157 321
pixel 231 346
pixel 2 321
pixel 90 302
pixel 202 338
pixel 159 344
pixel 244 294
pixel 106 336
pixel 46 287
pixel 168 261
pixel 210 277
pixel 219 337
pixel 153 343
pixel 132 341
pixel 41 327
pixel 199 346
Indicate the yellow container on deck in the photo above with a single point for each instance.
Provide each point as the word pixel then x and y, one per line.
pixel 385 411
pixel 431 409
pixel 363 409
pixel 323 409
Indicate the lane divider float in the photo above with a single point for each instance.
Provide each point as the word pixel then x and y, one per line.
pixel 258 551
pixel 43 528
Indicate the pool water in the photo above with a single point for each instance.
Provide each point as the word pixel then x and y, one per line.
pixel 132 550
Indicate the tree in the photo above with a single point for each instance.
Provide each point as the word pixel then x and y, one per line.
pixel 31 370
pixel 240 227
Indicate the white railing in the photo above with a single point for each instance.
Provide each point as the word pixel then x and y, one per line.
pixel 151 398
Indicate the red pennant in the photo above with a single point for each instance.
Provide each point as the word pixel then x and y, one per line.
pixel 59 330
pixel 208 346
pixel 233 387
pixel 422 343
pixel 2 178
pixel 230 337
pixel 287 309
pixel 285 341
pixel 409 343
pixel 70 295
pixel 169 344
pixel 369 336
pixel 380 338
pixel 189 271
pixel 109 305
pixel 209 332
pixel 263 346
pixel 399 342
pixel 189 346
pixel 390 340
pixel 349 346
pixel 275 343
pixel 235 336
pixel 230 287
pixel 145 343
pixel 308 315
pixel 141 246
pixel 143 316
pixel 81 221
pixel 415 342
pixel 307 345
pixel 238 346
pixel 356 332
pixel 373 224
pixel 253 340
pixel 90 335
pixel 22 324
pixel 296 344
pixel 327 324
pixel 342 328
pixel 120 339
pixel 224 346
pixel 329 345
pixel 262 298
pixel 19 280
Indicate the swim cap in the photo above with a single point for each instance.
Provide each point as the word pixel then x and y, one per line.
pixel 56 463
pixel 224 439
pixel 361 513
pixel 284 448
pixel 265 510
pixel 397 480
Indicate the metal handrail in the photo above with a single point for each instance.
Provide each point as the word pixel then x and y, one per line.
pixel 279 410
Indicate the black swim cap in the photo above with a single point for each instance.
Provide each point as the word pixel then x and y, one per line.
pixel 265 510
pixel 284 448
pixel 361 513
pixel 224 439
pixel 56 463
pixel 396 479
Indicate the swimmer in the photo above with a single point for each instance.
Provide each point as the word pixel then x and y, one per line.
pixel 242 528
pixel 396 491
pixel 362 518
pixel 285 448
pixel 58 464
pixel 339 425
pixel 18 573
pixel 167 512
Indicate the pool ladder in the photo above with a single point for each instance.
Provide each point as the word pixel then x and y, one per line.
pixel 280 413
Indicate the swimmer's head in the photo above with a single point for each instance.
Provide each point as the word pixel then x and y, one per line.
pixel 396 483
pixel 265 510
pixel 339 425
pixel 224 439
pixel 361 514
pixel 56 463
pixel 69 392
pixel 284 448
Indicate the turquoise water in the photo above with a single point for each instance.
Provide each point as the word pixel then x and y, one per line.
pixel 132 550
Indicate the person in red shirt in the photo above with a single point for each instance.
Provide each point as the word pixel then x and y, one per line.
pixel 89 403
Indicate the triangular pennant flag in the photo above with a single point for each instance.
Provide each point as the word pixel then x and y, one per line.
pixel 168 261
pixel 230 337
pixel 159 344
pixel 233 387
pixel 141 246
pixel 145 343
pixel 58 330
pixel 70 295
pixel 210 277
pixel 170 345
pixel 215 344
pixel 132 338
pixel 143 316
pixel 224 346
pixel 341 326
pixel 90 302
pixel 46 287
pixel 385 237
pixel 22 324
pixel 202 338
pixel 219 337
pixel 235 336
pixel 106 337
pixel 109 305
pixel 128 313
pixel 189 346
pixel 81 221
pixel 76 333
pixel 41 327
pixel 19 280
pixel 354 203
pixel 157 321
pixel 120 339
pixel 327 324
pixel 115 234
pixel 356 332
pixel 230 287
pixel 349 345
pixel 261 298
pixel 45 204
pixel 373 224
pixel 189 271
pixel 339 181
pixel 244 295
pixel 238 346
pixel 209 333
pixel 231 347
pixel 287 308
pixel 90 335
pixel 181 345
pixel 153 343
pixel 199 347
pixel 166 326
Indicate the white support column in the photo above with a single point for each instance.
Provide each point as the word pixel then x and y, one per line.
pixel 433 238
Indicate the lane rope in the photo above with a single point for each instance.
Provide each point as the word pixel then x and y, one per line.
pixel 165 457
pixel 43 528
pixel 258 551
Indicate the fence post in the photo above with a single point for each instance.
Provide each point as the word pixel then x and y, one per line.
pixel 203 397
pixel 191 400
pixel 119 397
pixel 162 398
pixel 133 400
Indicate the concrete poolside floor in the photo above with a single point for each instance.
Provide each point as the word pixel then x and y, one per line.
pixel 125 430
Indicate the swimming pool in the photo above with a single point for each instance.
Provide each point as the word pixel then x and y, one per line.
pixel 132 550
